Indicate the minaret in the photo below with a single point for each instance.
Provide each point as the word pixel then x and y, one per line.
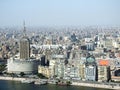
pixel 24 45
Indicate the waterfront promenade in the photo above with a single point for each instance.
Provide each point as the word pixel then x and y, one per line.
pixel 75 83
pixel 12 78
pixel 98 85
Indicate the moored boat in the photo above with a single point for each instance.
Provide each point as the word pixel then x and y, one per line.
pixel 27 81
pixel 40 82
pixel 63 83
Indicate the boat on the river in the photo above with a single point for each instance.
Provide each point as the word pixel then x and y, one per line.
pixel 27 81
pixel 40 82
pixel 63 83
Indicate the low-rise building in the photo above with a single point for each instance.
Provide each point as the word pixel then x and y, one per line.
pixel 46 71
pixel 26 66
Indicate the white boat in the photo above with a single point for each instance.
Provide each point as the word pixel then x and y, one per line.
pixel 40 82
pixel 27 81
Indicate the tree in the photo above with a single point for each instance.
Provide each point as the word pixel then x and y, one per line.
pixel 54 76
pixel 11 74
pixel 22 74
pixel 68 82
pixel 40 75
pixel 2 68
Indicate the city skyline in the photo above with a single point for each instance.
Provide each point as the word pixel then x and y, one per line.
pixel 57 13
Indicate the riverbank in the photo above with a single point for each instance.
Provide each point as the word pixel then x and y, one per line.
pixel 12 78
pixel 102 85
pixel 95 85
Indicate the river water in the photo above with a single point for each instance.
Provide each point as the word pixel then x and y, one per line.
pixel 12 85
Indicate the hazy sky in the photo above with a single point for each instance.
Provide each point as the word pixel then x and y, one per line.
pixel 59 12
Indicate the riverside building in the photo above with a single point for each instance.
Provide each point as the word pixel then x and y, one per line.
pixel 23 63
pixel 24 48
pixel 90 69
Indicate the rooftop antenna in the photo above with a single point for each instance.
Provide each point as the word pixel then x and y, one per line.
pixel 24 29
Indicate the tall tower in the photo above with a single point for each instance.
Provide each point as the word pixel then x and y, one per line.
pixel 24 46
pixel 24 29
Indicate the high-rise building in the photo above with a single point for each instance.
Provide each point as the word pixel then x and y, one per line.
pixel 103 73
pixel 24 64
pixel 24 46
pixel 82 71
pixel 90 68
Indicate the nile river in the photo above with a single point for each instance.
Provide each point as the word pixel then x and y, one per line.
pixel 12 85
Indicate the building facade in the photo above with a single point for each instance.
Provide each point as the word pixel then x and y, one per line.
pixel 90 69
pixel 26 66
pixel 103 73
pixel 46 71
pixel 24 48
